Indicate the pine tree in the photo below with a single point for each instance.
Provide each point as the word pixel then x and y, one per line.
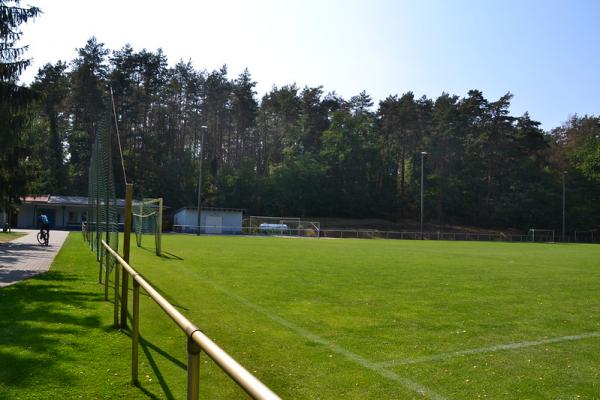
pixel 51 85
pixel 14 100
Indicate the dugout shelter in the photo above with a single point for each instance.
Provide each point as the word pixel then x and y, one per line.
pixel 213 220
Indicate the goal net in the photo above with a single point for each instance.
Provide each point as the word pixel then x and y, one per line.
pixel 589 236
pixel 540 235
pixel 282 226
pixel 147 220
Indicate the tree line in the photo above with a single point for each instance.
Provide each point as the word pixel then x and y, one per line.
pixel 299 151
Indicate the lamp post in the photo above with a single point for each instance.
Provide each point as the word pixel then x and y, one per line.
pixel 563 205
pixel 203 129
pixel 423 153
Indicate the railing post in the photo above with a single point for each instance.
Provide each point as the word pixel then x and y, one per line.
pixel 126 248
pixel 193 370
pixel 99 266
pixel 107 268
pixel 116 310
pixel 135 332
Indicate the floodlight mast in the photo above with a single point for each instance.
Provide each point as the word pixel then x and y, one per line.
pixel 563 205
pixel 423 153
pixel 203 129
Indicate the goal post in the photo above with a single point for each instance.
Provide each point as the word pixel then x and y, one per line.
pixel 540 235
pixel 147 216
pixel 283 226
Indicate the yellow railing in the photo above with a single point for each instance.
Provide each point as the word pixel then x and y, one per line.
pixel 197 341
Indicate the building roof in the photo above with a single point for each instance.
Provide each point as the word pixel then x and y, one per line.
pixel 68 200
pixel 36 199
pixel 60 200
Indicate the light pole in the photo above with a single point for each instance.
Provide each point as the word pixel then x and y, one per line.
pixel 563 206
pixel 203 129
pixel 423 153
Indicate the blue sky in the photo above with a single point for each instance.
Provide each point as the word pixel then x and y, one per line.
pixel 547 53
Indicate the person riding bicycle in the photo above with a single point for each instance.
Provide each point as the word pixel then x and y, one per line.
pixel 45 225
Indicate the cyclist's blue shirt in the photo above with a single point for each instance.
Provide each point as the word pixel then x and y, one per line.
pixel 44 219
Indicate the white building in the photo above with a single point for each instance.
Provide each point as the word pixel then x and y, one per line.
pixel 214 221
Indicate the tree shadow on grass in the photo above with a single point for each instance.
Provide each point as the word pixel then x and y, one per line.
pixel 41 324
pixel 36 318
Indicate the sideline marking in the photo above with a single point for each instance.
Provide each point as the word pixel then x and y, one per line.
pixel 491 349
pixel 376 367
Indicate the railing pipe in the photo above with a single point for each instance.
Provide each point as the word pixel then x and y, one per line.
pixel 255 388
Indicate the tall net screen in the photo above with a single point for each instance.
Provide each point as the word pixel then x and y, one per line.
pixel 102 216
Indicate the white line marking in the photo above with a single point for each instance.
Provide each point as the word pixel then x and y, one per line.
pixel 407 383
pixel 491 349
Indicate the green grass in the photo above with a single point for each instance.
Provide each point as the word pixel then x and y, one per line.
pixel 8 236
pixel 313 318
pixel 56 339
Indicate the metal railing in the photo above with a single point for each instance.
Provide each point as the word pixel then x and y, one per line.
pixel 196 342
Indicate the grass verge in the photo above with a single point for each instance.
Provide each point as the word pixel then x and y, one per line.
pixel 57 339
pixel 8 236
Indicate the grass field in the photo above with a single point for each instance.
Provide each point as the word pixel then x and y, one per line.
pixel 8 236
pixel 326 319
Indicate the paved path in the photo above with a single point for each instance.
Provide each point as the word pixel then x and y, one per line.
pixel 23 258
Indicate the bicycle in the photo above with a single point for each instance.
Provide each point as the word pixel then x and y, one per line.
pixel 43 237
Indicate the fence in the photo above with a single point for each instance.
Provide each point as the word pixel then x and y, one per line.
pixel 577 237
pixel 196 340
pixel 403 235
pixel 588 236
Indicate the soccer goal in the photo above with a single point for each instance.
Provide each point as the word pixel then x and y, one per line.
pixel 540 235
pixel 147 219
pixel 588 236
pixel 282 226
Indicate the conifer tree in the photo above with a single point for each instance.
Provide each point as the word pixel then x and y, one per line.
pixel 13 102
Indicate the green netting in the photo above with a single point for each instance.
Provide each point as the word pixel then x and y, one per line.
pixel 102 217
